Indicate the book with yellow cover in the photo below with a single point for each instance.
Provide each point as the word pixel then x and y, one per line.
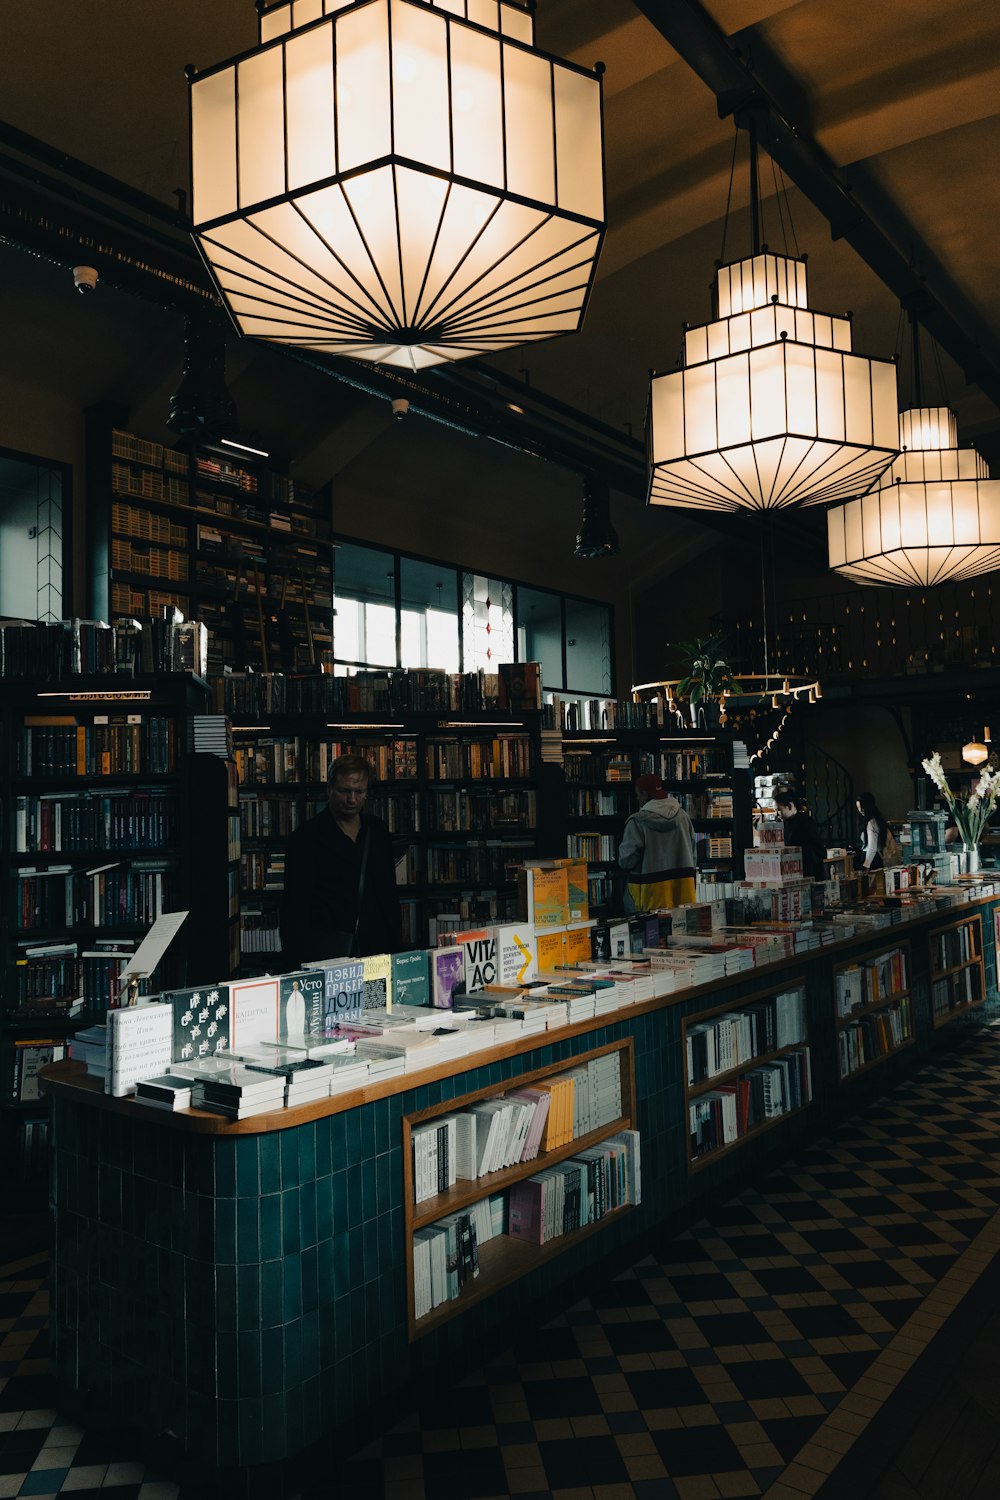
pixel 543 890
pixel 551 949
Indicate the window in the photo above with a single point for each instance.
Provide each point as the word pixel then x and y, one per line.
pixel 428 617
pixel 365 600
pixel 407 611
pixel 540 634
pixel 487 622
pixel 31 538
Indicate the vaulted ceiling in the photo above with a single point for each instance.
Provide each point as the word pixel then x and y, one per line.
pixel 885 117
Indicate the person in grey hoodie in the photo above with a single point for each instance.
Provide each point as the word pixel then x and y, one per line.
pixel 657 850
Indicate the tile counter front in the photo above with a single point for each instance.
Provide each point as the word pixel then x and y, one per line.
pixel 242 1289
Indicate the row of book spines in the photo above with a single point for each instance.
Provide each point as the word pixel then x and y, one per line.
pixel 956 946
pixel 540 1117
pixel 731 1041
pixel 83 821
pixel 764 1093
pixel 493 862
pixel 121 897
pixel 99 750
pixel 961 988
pixel 869 983
pixel 874 1036
pixel 580 1191
pixel 518 689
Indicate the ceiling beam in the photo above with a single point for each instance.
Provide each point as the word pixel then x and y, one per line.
pixel 923 289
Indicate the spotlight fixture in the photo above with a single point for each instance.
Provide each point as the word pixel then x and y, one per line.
pixel 597 537
pixel 401 182
pixel 201 409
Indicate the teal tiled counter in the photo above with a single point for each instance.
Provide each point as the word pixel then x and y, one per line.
pixel 243 1290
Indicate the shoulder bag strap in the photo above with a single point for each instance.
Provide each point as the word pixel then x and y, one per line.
pixel 361 890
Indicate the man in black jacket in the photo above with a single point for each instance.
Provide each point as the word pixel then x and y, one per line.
pixel 340 898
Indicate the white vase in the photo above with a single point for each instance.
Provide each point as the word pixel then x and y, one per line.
pixel 970 859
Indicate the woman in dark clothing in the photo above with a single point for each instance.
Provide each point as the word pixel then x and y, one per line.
pixel 873 834
pixel 801 832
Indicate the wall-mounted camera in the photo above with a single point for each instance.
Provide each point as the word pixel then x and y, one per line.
pixel 400 407
pixel 85 279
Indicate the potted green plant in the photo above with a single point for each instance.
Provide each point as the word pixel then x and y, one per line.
pixel 707 675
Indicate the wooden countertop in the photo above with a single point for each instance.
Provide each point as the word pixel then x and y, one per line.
pixel 70 1080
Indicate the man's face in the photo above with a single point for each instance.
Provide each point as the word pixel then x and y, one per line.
pixel 785 810
pixel 348 794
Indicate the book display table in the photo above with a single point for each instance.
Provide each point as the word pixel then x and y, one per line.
pixel 246 1288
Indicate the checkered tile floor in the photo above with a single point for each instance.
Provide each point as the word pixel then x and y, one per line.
pixel 746 1357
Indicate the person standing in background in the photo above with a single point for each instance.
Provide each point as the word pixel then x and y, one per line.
pixel 801 832
pixel 873 834
pixel 657 850
pixel 340 898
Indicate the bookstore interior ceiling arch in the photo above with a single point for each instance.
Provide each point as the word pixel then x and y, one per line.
pixel 886 120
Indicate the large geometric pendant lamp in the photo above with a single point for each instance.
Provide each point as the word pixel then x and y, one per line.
pixel 934 515
pixel 399 181
pixel 771 408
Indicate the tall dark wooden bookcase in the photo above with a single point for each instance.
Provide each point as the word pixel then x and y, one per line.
pixel 601 766
pixel 107 818
pixel 458 791
pixel 221 536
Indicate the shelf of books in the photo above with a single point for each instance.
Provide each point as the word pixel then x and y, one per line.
pixel 504 1178
pixel 958 980
pixel 748 1066
pixel 223 537
pixel 458 797
pixel 600 772
pixel 873 1009
pixel 104 831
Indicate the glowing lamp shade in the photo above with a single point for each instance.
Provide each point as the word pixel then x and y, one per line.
pixel 771 408
pixel 397 181
pixel 935 514
pixel 975 752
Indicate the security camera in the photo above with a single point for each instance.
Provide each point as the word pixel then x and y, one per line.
pixel 84 278
pixel 400 407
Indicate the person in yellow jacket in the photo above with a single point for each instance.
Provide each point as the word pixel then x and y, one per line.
pixel 657 850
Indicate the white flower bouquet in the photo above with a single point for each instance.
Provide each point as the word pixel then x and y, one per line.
pixel 972 809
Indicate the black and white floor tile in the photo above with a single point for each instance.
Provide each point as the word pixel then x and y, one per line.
pixel 750 1356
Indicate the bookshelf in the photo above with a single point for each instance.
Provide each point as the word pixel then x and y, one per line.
pixel 107 819
pixel 873 1009
pixel 227 539
pixel 600 770
pixel 748 1066
pixel 958 980
pixel 504 1258
pixel 459 798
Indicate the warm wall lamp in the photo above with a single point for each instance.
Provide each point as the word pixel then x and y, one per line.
pixel 399 181
pixel 771 407
pixel 975 752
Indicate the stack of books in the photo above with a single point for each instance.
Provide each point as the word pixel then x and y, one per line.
pixel 165 1091
pixel 232 1089
pixel 306 1078
pixel 90 1046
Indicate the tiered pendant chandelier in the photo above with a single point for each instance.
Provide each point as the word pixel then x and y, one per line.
pixel 934 515
pixel 771 408
pixel 399 181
